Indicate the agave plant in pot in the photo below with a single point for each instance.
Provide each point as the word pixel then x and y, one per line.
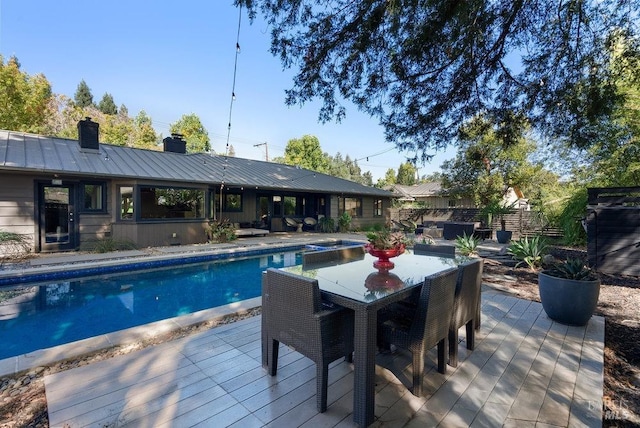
pixel 569 292
pixel 384 245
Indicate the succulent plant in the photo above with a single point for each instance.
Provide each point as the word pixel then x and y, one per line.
pixel 572 268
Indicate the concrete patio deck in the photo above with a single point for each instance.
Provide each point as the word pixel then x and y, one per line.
pixel 526 371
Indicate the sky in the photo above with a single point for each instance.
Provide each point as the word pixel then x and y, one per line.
pixel 173 58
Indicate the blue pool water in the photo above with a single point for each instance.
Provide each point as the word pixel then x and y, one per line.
pixel 37 316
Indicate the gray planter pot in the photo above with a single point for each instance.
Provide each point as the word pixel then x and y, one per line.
pixel 568 301
pixel 503 236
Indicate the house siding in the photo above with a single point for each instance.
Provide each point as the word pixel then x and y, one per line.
pixel 17 205
pixel 28 161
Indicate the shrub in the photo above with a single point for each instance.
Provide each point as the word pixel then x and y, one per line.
pixel 574 210
pixel 344 222
pixel 528 251
pixel 467 245
pixel 327 225
pixel 222 231
pixel 13 246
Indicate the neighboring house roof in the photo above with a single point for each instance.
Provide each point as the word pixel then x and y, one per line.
pixel 36 153
pixel 423 190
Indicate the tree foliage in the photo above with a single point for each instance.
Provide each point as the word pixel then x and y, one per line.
pixel 388 179
pixel 424 68
pixel 486 165
pixel 194 133
pixel 306 153
pixel 615 160
pixel 106 104
pixel 25 99
pixel 83 96
pixel 145 136
pixel 406 174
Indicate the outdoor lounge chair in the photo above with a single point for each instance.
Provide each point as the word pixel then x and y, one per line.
pixel 293 314
pixel 420 329
pixel 465 306
pixel 310 223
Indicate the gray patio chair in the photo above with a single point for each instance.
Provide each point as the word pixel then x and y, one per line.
pixel 425 326
pixel 466 306
pixel 293 314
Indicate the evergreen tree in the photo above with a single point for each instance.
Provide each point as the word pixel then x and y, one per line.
pixel 106 104
pixel 406 174
pixel 83 96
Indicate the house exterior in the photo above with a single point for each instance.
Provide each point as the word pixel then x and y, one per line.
pixel 61 193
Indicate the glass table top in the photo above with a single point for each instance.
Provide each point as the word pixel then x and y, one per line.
pixel 359 280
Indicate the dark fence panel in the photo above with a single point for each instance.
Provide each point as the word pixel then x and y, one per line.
pixel 613 230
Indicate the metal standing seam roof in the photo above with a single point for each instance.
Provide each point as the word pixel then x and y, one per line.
pixel 29 152
pixel 432 188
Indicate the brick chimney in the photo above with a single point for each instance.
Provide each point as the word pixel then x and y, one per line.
pixel 175 144
pixel 88 135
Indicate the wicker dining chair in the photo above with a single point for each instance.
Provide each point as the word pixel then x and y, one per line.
pixel 466 306
pixel 424 327
pixel 293 314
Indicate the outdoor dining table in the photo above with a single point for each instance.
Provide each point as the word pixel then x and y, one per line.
pixel 357 285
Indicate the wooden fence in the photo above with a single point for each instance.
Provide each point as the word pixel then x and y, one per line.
pixel 520 222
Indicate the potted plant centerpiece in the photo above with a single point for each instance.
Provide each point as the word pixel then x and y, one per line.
pixel 569 292
pixel 384 245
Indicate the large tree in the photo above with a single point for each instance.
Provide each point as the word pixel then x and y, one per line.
pixel 485 165
pixel 306 153
pixel 406 174
pixel 25 99
pixel 423 68
pixel 195 134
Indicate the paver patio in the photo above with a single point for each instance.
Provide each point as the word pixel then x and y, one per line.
pixel 526 371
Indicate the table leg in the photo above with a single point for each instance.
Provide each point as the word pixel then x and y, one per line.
pixel 364 361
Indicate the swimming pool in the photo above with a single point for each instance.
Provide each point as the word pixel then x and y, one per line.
pixel 45 314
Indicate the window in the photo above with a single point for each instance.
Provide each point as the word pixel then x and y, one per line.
pixel 171 203
pixel 93 197
pixel 126 202
pixel 351 205
pixel 377 208
pixel 452 203
pixel 232 202
pixel 290 205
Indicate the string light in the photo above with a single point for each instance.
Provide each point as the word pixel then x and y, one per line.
pixel 233 98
